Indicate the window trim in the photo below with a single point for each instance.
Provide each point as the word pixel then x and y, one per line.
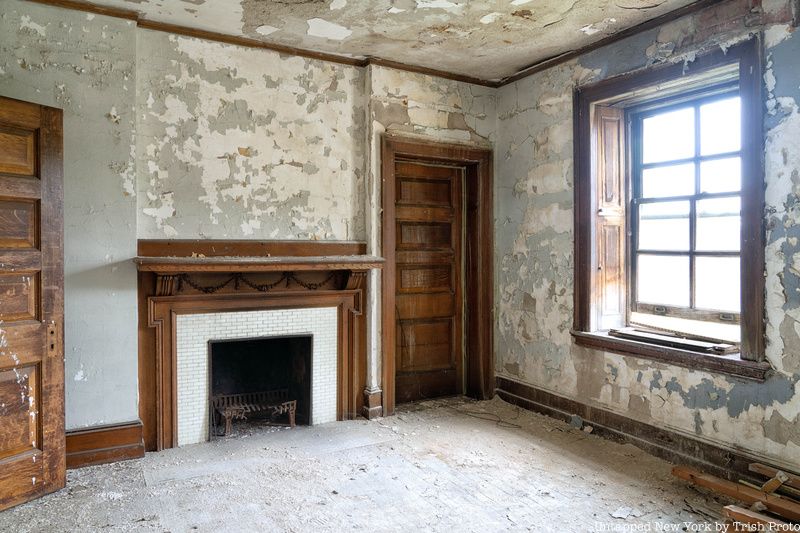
pixel 748 56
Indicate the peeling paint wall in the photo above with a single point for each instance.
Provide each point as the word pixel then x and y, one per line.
pixel 245 143
pixel 85 64
pixel 534 239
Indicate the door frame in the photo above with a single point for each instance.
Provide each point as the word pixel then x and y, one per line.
pixel 478 258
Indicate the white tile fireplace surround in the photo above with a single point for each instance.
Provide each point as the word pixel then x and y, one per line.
pixel 195 331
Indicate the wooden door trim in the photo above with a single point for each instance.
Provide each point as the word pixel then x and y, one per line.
pixel 478 267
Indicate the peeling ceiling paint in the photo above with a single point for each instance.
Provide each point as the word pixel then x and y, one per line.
pixel 486 39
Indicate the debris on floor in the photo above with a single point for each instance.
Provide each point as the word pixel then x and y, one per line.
pixel 772 505
pixel 443 465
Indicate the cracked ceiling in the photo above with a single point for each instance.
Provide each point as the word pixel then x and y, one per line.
pixel 485 39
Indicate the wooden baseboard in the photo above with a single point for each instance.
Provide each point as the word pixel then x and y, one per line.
pixel 373 404
pixel 671 446
pixel 104 444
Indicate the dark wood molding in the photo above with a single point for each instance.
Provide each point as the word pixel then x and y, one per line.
pixel 104 444
pixel 689 9
pixel 478 268
pixel 179 265
pixel 417 69
pixel 88 7
pixel 246 248
pixel 669 445
pixel 731 365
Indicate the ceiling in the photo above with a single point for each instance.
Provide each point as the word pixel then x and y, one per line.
pixel 485 39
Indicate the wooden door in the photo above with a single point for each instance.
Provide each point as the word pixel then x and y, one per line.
pixel 428 275
pixel 32 451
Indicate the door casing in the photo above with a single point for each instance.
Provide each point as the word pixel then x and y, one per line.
pixel 478 258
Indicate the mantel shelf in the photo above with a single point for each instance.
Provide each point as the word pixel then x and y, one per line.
pixel 183 265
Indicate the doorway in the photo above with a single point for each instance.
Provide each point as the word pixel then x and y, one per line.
pixel 437 280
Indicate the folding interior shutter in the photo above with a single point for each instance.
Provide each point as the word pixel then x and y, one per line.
pixel 609 279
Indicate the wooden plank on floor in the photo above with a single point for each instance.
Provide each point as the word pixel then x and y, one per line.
pixel 770 472
pixel 781 506
pixel 746 516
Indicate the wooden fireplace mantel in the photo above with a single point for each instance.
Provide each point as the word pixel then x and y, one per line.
pixel 185 277
pixel 180 265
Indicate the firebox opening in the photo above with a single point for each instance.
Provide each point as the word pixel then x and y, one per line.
pixel 257 379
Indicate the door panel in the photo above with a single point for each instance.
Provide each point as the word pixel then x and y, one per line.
pixel 19 152
pixel 18 224
pixel 32 460
pixel 428 294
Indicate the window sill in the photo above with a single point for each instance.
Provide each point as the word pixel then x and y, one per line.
pixel 732 364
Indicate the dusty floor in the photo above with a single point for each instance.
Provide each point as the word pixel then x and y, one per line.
pixel 445 465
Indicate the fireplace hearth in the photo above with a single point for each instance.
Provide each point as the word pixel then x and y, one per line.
pixel 258 379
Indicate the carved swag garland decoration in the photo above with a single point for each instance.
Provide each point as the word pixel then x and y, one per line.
pixel 238 279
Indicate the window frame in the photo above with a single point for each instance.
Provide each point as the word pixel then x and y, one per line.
pixel 750 361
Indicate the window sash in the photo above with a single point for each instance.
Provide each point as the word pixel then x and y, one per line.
pixel 635 120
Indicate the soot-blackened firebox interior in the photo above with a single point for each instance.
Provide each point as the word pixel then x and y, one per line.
pixel 261 365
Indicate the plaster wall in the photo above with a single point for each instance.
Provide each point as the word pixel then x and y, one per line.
pixel 86 65
pixel 245 143
pixel 534 240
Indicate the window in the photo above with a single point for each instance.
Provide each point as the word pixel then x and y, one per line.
pixel 669 247
pixel 685 231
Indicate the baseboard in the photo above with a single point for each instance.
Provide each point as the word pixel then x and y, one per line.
pixel 104 444
pixel 671 446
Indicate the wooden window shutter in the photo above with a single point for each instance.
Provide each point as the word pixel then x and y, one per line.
pixel 609 269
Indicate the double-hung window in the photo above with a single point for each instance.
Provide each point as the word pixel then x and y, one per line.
pixel 669 247
pixel 685 231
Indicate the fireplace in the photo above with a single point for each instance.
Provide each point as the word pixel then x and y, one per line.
pixel 195 293
pixel 245 352
pixel 259 379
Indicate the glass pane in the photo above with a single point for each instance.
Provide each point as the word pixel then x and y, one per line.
pixel 721 175
pixel 663 280
pixel 717 284
pixel 720 126
pixel 718 224
pixel 674 180
pixel 668 136
pixel 664 226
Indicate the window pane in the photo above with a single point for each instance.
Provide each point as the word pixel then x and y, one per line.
pixel 721 175
pixel 720 126
pixel 717 283
pixel 663 280
pixel 664 226
pixel 668 136
pixel 718 224
pixel 674 180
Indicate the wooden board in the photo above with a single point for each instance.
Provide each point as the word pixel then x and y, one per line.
pixel 781 506
pixel 32 459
